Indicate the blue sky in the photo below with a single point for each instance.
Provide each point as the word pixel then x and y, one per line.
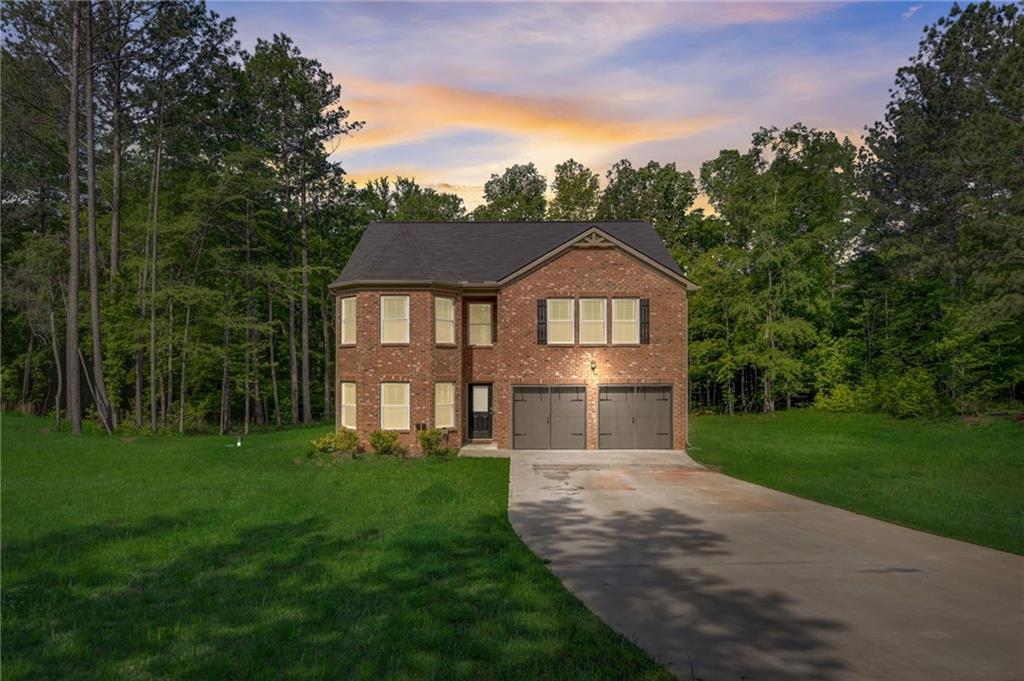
pixel 452 92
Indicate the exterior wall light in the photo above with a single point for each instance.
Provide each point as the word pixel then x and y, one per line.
pixel 593 365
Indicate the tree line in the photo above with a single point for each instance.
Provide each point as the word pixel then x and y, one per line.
pixel 888 275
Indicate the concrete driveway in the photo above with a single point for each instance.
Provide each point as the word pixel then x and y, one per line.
pixel 721 579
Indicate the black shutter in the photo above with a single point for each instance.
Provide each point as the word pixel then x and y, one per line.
pixel 494 322
pixel 542 321
pixel 645 321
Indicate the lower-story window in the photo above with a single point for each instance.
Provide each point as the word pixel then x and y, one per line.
pixel 394 406
pixel 444 405
pixel 348 405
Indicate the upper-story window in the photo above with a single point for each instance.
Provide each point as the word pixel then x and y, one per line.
pixel 561 324
pixel 480 320
pixel 394 319
pixel 593 321
pixel 625 321
pixel 348 320
pixel 444 320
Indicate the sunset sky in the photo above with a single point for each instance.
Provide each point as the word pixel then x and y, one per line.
pixel 452 92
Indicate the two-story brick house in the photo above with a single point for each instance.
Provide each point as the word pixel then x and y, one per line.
pixel 566 335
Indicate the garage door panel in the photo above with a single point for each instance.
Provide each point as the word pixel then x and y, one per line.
pixel 568 417
pixel 615 417
pixel 653 417
pixel 530 418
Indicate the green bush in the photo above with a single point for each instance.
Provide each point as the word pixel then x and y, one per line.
pixel 840 398
pixel 907 394
pixel 385 443
pixel 430 442
pixel 345 441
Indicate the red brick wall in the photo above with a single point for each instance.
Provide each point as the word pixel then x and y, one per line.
pixel 516 357
pixel 586 273
pixel 420 363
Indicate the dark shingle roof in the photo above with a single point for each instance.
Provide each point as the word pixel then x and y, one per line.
pixel 477 252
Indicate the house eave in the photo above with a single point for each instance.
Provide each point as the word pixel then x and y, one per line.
pixel 364 284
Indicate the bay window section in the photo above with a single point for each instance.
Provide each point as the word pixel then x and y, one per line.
pixel 394 319
pixel 348 320
pixel 394 406
pixel 348 405
pixel 625 321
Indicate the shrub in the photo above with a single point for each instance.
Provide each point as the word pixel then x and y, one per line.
pixel 840 398
pixel 345 441
pixel 430 444
pixel 910 393
pixel 385 443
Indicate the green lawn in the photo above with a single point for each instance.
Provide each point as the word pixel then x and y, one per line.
pixel 171 557
pixel 948 477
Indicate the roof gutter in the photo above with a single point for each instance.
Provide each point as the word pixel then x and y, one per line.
pixel 484 286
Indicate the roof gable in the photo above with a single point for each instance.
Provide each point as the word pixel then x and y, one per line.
pixel 487 253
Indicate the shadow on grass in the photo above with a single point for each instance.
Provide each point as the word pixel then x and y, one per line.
pixel 299 599
pixel 632 569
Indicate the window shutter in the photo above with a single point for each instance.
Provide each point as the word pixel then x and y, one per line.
pixel 542 321
pixel 494 322
pixel 645 321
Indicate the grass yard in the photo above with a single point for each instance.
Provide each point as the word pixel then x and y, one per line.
pixel 188 558
pixel 948 477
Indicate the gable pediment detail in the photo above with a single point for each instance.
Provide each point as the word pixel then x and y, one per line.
pixel 593 240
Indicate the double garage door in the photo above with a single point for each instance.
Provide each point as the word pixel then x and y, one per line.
pixel 555 417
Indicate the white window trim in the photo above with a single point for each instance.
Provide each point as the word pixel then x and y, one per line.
pixel 490 325
pixel 630 342
pixel 451 405
pixel 408 399
pixel 344 404
pixel 355 323
pixel 406 319
pixel 604 321
pixel 571 320
pixel 451 302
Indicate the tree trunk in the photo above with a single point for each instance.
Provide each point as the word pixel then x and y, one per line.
pixel 246 382
pixel 26 376
pixel 181 386
pixel 225 404
pixel 152 280
pixel 102 401
pixel 56 364
pixel 168 402
pixel 273 362
pixel 115 151
pixel 328 378
pixel 307 411
pixel 74 400
pixel 293 364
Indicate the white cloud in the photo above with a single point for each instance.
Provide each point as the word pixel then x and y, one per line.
pixel 911 11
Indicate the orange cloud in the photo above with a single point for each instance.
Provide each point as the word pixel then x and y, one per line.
pixel 398 113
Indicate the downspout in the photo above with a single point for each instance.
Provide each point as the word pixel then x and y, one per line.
pixel 686 321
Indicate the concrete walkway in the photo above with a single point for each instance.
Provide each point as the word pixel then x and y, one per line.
pixel 724 580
